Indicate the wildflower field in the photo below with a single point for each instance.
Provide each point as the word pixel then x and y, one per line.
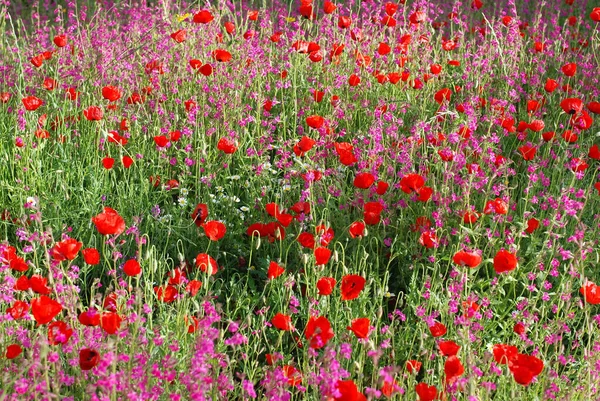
pixel 300 200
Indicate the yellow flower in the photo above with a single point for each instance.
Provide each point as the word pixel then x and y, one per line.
pixel 290 19
pixel 183 17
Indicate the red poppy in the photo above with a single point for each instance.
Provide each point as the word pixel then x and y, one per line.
pixel 550 85
pixel 497 206
pixel 525 368
pixel 65 250
pixel 93 113
pixel 595 14
pixel 282 322
pixel 325 285
pixel 357 229
pixel 594 107
pixel 360 327
pixel 411 182
pixel 590 293
pixel 206 263
pixel 504 261
pixel 13 351
pixel 443 95
pixel 532 225
pixel 413 366
pixel 351 286
pixel 429 239
pixel 108 162
pixel 44 309
pixel 354 80
pixel 39 285
pixel 437 329
pixel 200 214
pixel 91 256
pixel 572 105
pixel 318 331
pixel 315 121
pixel 32 103
pixel 214 230
pixel 110 322
pixel 109 222
pixel 193 287
pixel 22 284
pixel 111 93
pixel 18 309
pixel 569 69
pixel 329 7
pixel 364 180
pixel 448 348
pixel 227 146
pixel 37 61
pixel 91 318
pixel 60 40
pixel 504 353
pixel 275 270
pixel 179 36
pixel 453 368
pixel 322 255
pixel 203 17
pixel 221 55
pixel 88 358
pixel 50 84
pixel 59 333
pixel 464 258
pixel 5 97
pixel 425 392
pixel 348 391
pixel 548 136
pixel 344 22
pixel 166 293
pixel 15 262
pixel 132 268
pixel 304 145
pixel 528 152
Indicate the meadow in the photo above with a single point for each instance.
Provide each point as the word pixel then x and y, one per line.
pixel 300 200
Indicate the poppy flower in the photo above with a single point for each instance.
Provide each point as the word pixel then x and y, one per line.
pixel 569 69
pixel 532 225
pixel 227 146
pixel 318 332
pixel 354 80
pixel 315 121
pixel 443 95
pixel 88 358
pixel 429 239
pixel 348 391
pixel 550 85
pixel 504 353
pixel 5 97
pixel 39 285
pixel 304 145
pixel 572 105
pixel 132 268
pixel 351 286
pixel 329 7
pixel 32 103
pixel 166 293
pixel 595 14
pixel 37 61
pixel 453 368
pixel 22 284
pixel 179 36
pixel 59 333
pixel 382 188
pixel 372 213
pixel 426 392
pixel 15 262
pixel 411 183
pixel 18 309
pixel 44 309
pixel 200 214
pixel 504 261
pixel 497 206
pixel 90 318
pixel 282 322
pixel 60 40
pixel 93 113
pixel 214 230
pixel 528 152
pixel 357 229
pixel 109 222
pixel 108 162
pixel 325 285
pixel 364 180
pixel 203 17
pixel 525 368
pixel 110 322
pixel 50 84
pixel 65 250
pixel 388 21
pixel 437 329
pixel 221 55
pixel 111 93
pixel 322 255
pixel 448 348
pixel 284 218
pixel 360 327
pixel 13 351
pixel 594 107
pixel 413 366
pixel 91 256
pixel 590 293
pixel 345 153
pixel 206 263
pixel 464 258
pixel 127 161
pixel 275 270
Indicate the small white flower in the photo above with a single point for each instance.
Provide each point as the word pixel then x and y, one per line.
pixel 31 201
pixel 184 192
pixel 182 201
pixel 244 208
